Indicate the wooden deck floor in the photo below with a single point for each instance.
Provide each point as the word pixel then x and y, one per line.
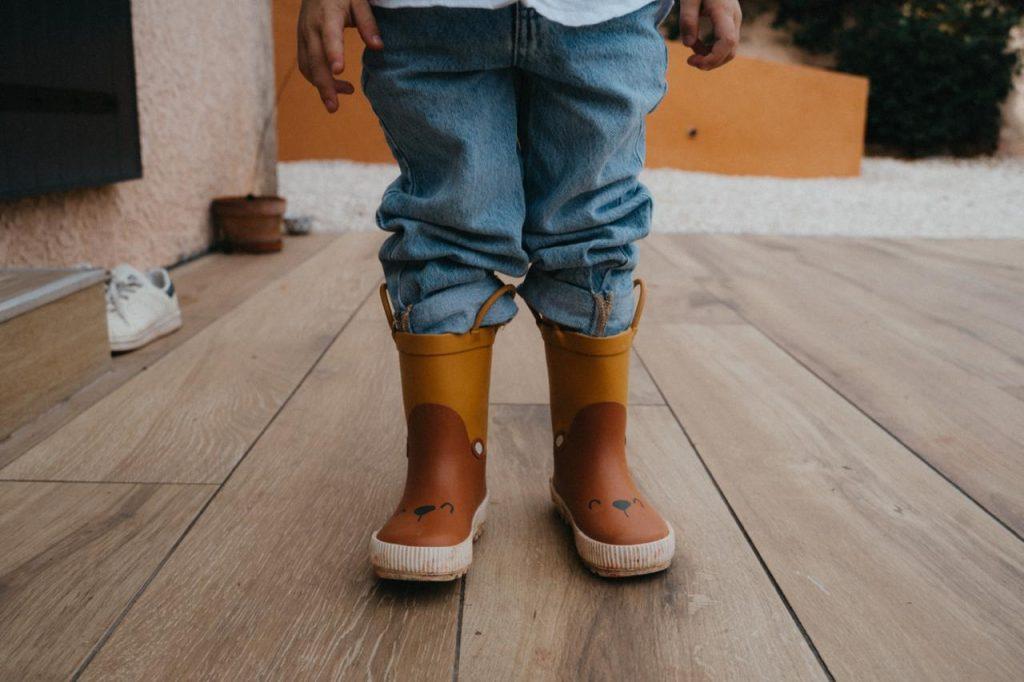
pixel 834 427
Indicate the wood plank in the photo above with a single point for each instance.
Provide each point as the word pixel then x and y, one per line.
pixel 211 286
pixel 15 283
pixel 207 289
pixel 659 269
pixel 191 416
pixel 999 259
pixel 675 292
pixel 72 556
pixel 993 266
pixel 532 611
pixel 274 580
pixel 970 321
pixel 519 372
pixel 927 395
pixel 893 572
pixel 49 352
pixel 25 289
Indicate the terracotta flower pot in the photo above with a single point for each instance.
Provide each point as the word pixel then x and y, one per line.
pixel 250 223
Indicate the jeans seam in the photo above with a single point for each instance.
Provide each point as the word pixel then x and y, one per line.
pixel 640 147
pixel 603 306
pixel 400 156
pixel 402 322
pixel 515 34
pixel 525 136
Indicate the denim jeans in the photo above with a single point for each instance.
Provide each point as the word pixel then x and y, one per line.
pixel 519 142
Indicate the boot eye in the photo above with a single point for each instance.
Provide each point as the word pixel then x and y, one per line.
pixel 559 440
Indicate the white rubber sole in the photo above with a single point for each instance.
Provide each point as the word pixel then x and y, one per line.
pixel 433 564
pixel 617 561
pixel 148 335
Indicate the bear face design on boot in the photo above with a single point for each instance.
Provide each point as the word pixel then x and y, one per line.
pixel 445 386
pixel 617 531
pixel 444 485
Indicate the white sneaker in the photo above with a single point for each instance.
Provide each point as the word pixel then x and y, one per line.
pixel 140 307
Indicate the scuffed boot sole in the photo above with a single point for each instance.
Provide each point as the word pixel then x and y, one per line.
pixel 617 561
pixel 426 564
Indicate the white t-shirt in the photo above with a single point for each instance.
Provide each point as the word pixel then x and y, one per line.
pixel 565 12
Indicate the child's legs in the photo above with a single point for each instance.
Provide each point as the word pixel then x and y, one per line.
pixel 583 98
pixel 444 91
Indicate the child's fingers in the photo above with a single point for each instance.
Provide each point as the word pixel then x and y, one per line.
pixel 727 25
pixel 319 75
pixel 333 42
pixel 343 87
pixel 366 24
pixel 689 21
pixel 701 48
pixel 726 39
pixel 301 58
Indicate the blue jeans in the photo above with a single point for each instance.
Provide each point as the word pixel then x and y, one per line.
pixel 519 142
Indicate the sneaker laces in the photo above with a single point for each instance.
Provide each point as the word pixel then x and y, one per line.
pixel 119 291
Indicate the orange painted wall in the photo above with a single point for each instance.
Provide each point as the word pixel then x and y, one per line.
pixel 750 118
pixel 754 117
pixel 304 129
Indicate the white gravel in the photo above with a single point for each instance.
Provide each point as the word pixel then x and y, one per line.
pixel 931 198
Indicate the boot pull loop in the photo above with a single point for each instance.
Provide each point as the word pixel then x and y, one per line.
pixel 386 302
pixel 491 300
pixel 641 299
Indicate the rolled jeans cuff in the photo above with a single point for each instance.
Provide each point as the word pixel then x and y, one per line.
pixel 453 310
pixel 581 309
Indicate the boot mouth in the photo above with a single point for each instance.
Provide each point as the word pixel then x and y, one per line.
pixel 583 344
pixel 444 344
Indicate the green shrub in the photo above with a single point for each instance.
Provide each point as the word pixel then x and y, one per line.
pixel 939 70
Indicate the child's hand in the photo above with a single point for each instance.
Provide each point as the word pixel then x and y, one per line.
pixel 726 18
pixel 321 47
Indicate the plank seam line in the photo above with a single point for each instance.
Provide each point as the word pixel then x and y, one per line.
pixel 108 633
pixel 458 629
pixel 884 429
pixel 546 404
pixel 739 524
pixel 76 481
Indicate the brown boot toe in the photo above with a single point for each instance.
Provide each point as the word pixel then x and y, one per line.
pixel 618 521
pixel 617 549
pixel 433 551
pixel 428 525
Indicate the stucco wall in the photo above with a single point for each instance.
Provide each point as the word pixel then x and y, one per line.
pixel 205 79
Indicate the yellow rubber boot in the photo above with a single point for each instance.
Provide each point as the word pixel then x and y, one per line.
pixel 445 387
pixel 617 531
